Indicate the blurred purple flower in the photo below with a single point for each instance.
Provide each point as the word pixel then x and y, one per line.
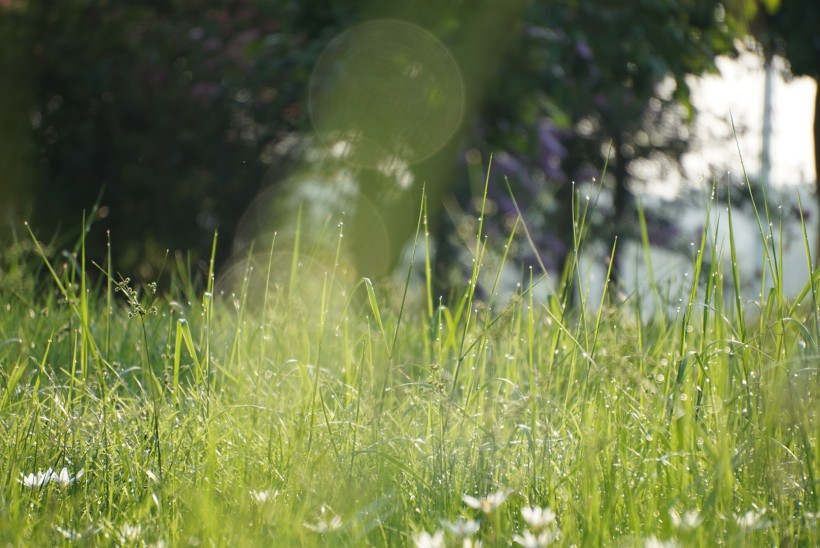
pixel 505 205
pixel 551 249
pixel 507 166
pixel 551 151
pixel 583 50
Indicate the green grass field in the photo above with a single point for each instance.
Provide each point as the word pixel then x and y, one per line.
pixel 323 410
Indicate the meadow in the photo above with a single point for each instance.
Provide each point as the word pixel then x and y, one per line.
pixel 301 406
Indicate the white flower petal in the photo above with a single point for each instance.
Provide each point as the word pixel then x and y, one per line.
pixel 462 528
pixel 488 503
pixel 426 540
pixel 538 519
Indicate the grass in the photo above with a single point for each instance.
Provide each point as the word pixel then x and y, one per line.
pixel 300 407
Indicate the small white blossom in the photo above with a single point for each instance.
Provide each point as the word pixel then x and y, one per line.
pixel 263 496
pixel 529 540
pixel 74 536
pixel 426 540
pixel 751 520
pixel 64 479
pixel 690 520
pixel 69 534
pixel 41 479
pixel 488 503
pixel 462 528
pixel 323 526
pixel 654 542
pixel 129 533
pixel 538 519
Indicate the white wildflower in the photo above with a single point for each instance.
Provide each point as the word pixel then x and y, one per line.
pixel 689 521
pixel 462 528
pixel 262 497
pixel 324 524
pixel 426 540
pixel 488 503
pixel 538 519
pixel 69 534
pixel 529 540
pixel 129 533
pixel 64 479
pixel 751 520
pixel 41 479
pixel 654 542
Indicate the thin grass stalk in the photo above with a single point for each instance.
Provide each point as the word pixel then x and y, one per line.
pixel 478 256
pixel 205 334
pixel 602 304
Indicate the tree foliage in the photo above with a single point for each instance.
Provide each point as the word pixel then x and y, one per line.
pixel 594 84
pixel 178 113
pixel 789 28
pixel 169 112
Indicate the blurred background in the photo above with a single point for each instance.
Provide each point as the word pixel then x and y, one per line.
pixel 167 120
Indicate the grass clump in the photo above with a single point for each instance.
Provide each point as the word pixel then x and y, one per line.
pixel 299 407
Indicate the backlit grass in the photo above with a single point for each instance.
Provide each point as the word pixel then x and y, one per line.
pixel 320 409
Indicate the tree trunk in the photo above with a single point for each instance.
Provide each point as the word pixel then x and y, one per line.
pixel 620 200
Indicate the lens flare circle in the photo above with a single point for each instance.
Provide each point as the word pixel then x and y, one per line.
pixel 328 215
pixel 385 91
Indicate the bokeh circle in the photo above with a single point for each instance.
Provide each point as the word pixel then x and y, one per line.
pixel 385 91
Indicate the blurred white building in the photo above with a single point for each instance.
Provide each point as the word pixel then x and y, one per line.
pixel 737 95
